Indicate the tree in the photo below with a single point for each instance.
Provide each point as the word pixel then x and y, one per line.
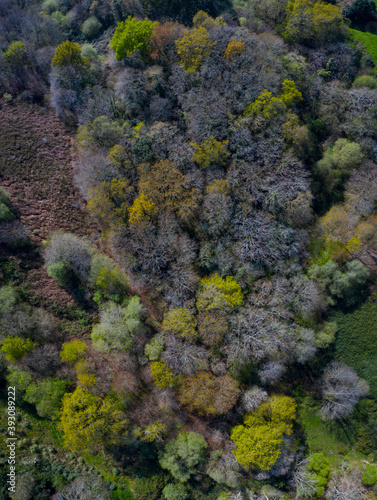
pixel 181 322
pixel 162 41
pixel 193 48
pixel 341 390
pixel 46 396
pixel 73 351
pixel 219 293
pixel 234 49
pixel 212 327
pixel 360 12
pixel 16 56
pixel 260 439
pixel 89 422
pixel 142 211
pixel 19 379
pixel 16 347
pixel 162 375
pixel 252 398
pixel 175 492
pixel 118 325
pixel 68 54
pixel 210 152
pixel 312 22
pixel 153 432
pixel 184 455
pixel 208 395
pixel 132 35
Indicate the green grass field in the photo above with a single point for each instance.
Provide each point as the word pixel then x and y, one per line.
pixel 368 40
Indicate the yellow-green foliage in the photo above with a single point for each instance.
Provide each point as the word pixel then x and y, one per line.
pixel 84 376
pixel 219 186
pixel 210 152
pixel 111 284
pixel 259 440
pixel 16 55
pixel 194 48
pixel 311 22
pixel 16 347
pixel 118 155
pixel 89 422
pixel 132 35
pixel 219 293
pixel 162 375
pixel 73 351
pixel 154 432
pixel 181 322
pixel 110 201
pixel 67 54
pixel 142 211
pixel 234 49
pixel 269 106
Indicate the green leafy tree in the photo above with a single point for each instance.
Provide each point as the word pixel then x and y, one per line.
pixel 132 35
pixel 153 432
pixel 219 293
pixel 184 455
pixel 46 396
pixel 162 375
pixel 193 48
pixel 19 379
pixel 118 326
pixel 155 347
pixel 181 322
pixel 8 299
pixel 16 55
pixel 318 465
pixel 73 351
pixel 260 439
pixel 16 347
pixel 90 423
pixel 175 492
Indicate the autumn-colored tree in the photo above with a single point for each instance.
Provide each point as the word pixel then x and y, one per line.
pixel 142 211
pixel 153 432
pixel 162 375
pixel 110 201
pixel 234 49
pixel 90 423
pixel 260 439
pixel 204 20
pixel 208 395
pixel 85 378
pixel 210 152
pixel 313 22
pixel 163 39
pixel 219 293
pixel 168 189
pixel 16 347
pixel 73 351
pixel 132 35
pixel 193 48
pixel 68 54
pixel 181 322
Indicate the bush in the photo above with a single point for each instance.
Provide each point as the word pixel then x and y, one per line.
pixel 132 35
pixel 368 81
pixel 155 347
pixel 46 396
pixel 91 28
pixel 370 475
pixel 6 214
pixel 16 55
pixel 62 274
pixel 8 299
pixel 16 347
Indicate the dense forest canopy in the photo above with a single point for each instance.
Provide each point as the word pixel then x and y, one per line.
pixel 220 339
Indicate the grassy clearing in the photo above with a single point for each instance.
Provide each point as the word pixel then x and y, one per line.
pixel 368 40
pixel 356 342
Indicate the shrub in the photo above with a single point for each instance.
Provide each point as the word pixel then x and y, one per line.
pixel 73 351
pixel 132 35
pixel 180 322
pixel 16 55
pixel 162 375
pixel 208 395
pixel 193 48
pixel 368 81
pixel 118 326
pixel 16 347
pixel 46 396
pixel 184 455
pixel 318 465
pixel 6 214
pixel 370 475
pixel 91 28
pixel 62 274
pixel 100 133
pixel 155 347
pixel 8 299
